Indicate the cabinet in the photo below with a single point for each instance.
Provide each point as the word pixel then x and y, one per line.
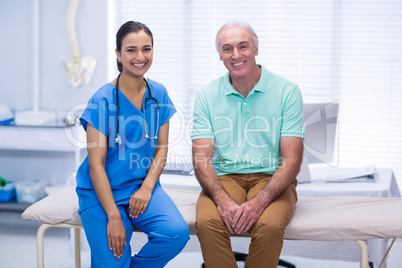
pixel 25 148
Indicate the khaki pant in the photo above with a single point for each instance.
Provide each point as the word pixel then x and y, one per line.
pixel 266 233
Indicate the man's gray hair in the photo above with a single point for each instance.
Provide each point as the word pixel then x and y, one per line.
pixel 234 23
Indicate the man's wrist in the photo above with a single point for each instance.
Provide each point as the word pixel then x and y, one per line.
pixel 262 198
pixel 221 197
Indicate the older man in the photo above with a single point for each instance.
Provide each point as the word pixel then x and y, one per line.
pixel 247 149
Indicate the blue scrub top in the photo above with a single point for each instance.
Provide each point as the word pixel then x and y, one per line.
pixel 126 164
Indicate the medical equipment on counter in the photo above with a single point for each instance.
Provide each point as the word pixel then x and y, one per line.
pixel 29 191
pixel 118 138
pixel 6 115
pixel 320 133
pixel 73 115
pixel 35 118
pixel 3 181
pixel 7 192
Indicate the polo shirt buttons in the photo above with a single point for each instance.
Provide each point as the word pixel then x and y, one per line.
pixel 245 111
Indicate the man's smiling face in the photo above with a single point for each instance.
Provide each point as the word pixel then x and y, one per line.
pixel 237 51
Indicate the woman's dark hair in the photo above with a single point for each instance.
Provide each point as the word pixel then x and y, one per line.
pixel 125 29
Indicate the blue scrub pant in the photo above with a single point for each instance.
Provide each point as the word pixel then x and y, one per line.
pixel 166 229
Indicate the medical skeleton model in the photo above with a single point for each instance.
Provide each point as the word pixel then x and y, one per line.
pixel 81 69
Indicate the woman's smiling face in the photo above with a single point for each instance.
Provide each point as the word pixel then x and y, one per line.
pixel 136 53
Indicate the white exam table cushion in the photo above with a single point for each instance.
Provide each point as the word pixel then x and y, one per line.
pixel 345 218
pixel 62 207
pixel 315 218
pixel 58 207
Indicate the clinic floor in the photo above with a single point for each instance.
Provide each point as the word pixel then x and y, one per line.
pixel 18 249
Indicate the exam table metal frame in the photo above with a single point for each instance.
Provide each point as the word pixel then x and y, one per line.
pixel 364 255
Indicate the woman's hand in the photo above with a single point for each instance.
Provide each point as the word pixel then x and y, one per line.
pixel 139 202
pixel 116 236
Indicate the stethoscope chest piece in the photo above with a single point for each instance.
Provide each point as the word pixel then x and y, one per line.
pixel 118 139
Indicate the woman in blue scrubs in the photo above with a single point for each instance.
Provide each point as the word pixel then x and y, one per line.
pixel 118 183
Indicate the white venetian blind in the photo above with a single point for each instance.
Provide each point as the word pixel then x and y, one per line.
pixel 370 78
pixel 168 21
pixel 346 51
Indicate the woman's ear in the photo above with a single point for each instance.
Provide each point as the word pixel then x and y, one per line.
pixel 118 55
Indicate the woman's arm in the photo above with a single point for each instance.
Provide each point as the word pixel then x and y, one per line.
pixel 116 232
pixel 140 199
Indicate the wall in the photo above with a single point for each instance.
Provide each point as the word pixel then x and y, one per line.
pixel 56 92
pixel 16 52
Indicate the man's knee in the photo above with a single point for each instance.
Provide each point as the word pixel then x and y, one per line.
pixel 209 224
pixel 268 230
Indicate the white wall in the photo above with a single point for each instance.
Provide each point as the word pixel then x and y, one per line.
pixel 56 92
pixel 16 52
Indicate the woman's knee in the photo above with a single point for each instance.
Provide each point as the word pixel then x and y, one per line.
pixel 182 235
pixel 177 235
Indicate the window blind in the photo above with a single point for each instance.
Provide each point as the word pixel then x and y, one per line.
pixel 370 68
pixel 346 51
pixel 168 21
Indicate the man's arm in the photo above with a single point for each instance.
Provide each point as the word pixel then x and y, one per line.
pixel 250 211
pixel 203 151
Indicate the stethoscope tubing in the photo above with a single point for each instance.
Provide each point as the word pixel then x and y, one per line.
pixel 118 138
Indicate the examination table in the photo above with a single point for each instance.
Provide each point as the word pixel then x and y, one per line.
pixel 332 218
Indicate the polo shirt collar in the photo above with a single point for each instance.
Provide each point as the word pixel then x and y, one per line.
pixel 260 86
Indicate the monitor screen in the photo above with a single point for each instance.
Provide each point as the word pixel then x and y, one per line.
pixel 320 132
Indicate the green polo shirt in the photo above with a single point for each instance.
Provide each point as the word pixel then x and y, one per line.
pixel 247 130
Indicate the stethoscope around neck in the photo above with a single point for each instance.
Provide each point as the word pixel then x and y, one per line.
pixel 118 138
